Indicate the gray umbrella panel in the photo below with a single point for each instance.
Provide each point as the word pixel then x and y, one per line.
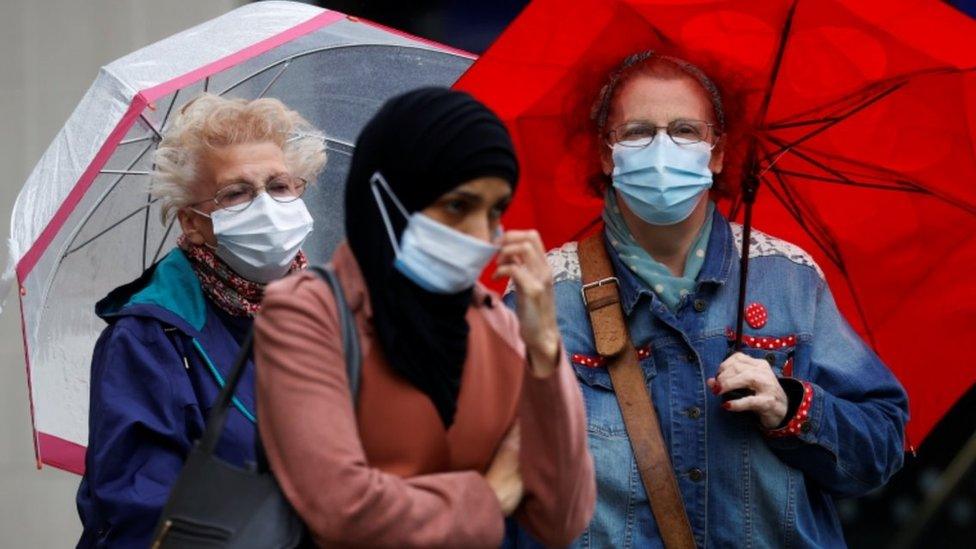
pixel 116 231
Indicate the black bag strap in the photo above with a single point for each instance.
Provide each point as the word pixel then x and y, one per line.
pixel 347 323
pixel 350 346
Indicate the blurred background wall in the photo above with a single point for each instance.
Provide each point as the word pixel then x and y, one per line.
pixel 50 52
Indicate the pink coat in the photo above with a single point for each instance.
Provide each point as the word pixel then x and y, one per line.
pixel 388 473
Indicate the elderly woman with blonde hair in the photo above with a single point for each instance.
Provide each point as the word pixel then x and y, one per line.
pixel 233 173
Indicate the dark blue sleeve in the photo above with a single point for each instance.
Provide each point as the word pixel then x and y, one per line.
pixel 137 439
pixel 509 299
pixel 854 440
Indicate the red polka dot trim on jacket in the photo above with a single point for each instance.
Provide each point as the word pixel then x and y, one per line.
pixel 764 342
pixel 597 361
pixel 801 420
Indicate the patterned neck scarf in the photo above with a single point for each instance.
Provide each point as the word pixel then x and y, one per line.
pixel 234 294
pixel 669 288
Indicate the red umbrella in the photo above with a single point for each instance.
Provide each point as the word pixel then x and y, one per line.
pixel 861 120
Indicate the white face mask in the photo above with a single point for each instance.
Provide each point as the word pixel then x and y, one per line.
pixel 432 255
pixel 260 242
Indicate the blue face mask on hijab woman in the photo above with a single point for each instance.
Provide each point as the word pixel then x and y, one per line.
pixel 663 181
pixel 434 256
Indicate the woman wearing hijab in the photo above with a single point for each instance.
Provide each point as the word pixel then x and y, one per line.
pixel 232 172
pixel 430 454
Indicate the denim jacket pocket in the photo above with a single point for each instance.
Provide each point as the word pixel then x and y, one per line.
pixel 602 411
pixel 778 351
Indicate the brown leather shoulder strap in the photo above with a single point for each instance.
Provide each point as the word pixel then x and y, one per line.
pixel 601 295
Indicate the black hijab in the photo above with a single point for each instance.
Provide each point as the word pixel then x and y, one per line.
pixel 424 143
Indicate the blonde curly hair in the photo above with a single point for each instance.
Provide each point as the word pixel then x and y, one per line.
pixel 210 121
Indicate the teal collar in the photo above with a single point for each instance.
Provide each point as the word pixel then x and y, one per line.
pixel 168 289
pixel 670 289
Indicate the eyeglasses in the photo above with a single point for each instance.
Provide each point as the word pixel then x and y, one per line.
pixel 236 197
pixel 640 133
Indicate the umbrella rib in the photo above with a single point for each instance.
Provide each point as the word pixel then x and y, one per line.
pixel 835 106
pixel 904 185
pixel 866 89
pixel 112 187
pixel 735 206
pixel 778 62
pixel 299 55
pixel 802 123
pixel 135 140
pixel 861 164
pixel 790 206
pixel 125 172
pixel 854 110
pixel 654 28
pixel 275 79
pixel 822 238
pixel 952 201
pixel 829 247
pixel 851 182
pixel 151 127
pixel 145 230
pixel 170 108
pixel 814 229
pixel 345 145
pixel 159 249
pixel 896 180
pixel 107 229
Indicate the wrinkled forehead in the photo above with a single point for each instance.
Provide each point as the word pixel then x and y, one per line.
pixel 249 162
pixel 660 100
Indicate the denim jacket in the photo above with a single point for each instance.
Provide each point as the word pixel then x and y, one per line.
pixel 741 486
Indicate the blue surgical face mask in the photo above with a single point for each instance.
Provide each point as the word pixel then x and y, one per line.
pixel 434 256
pixel 662 182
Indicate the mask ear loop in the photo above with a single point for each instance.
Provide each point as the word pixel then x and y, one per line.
pixel 379 181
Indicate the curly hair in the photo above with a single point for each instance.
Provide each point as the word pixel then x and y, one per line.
pixel 210 121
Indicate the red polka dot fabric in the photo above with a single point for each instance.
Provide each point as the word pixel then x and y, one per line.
pixel 597 361
pixel 800 418
pixel 756 315
pixel 771 343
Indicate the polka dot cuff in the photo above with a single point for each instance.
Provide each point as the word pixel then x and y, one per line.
pixel 800 423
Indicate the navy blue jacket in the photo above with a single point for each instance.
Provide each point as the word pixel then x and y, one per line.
pixel 156 370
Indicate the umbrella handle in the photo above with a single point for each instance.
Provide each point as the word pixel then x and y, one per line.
pixel 750 186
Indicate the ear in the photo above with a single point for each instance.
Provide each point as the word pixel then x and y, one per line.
pixel 718 156
pixel 606 161
pixel 190 225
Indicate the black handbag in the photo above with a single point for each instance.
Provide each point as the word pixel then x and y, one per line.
pixel 215 504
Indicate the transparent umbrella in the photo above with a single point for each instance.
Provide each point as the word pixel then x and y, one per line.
pixel 84 222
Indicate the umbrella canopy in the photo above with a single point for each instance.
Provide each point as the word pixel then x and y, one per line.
pixel 860 118
pixel 84 222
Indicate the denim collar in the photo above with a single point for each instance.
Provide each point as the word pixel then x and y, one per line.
pixel 718 265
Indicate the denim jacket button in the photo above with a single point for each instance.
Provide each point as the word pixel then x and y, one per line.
pixel 805 427
pixel 700 305
pixel 770 358
pixel 696 474
pixel 692 358
pixel 694 412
